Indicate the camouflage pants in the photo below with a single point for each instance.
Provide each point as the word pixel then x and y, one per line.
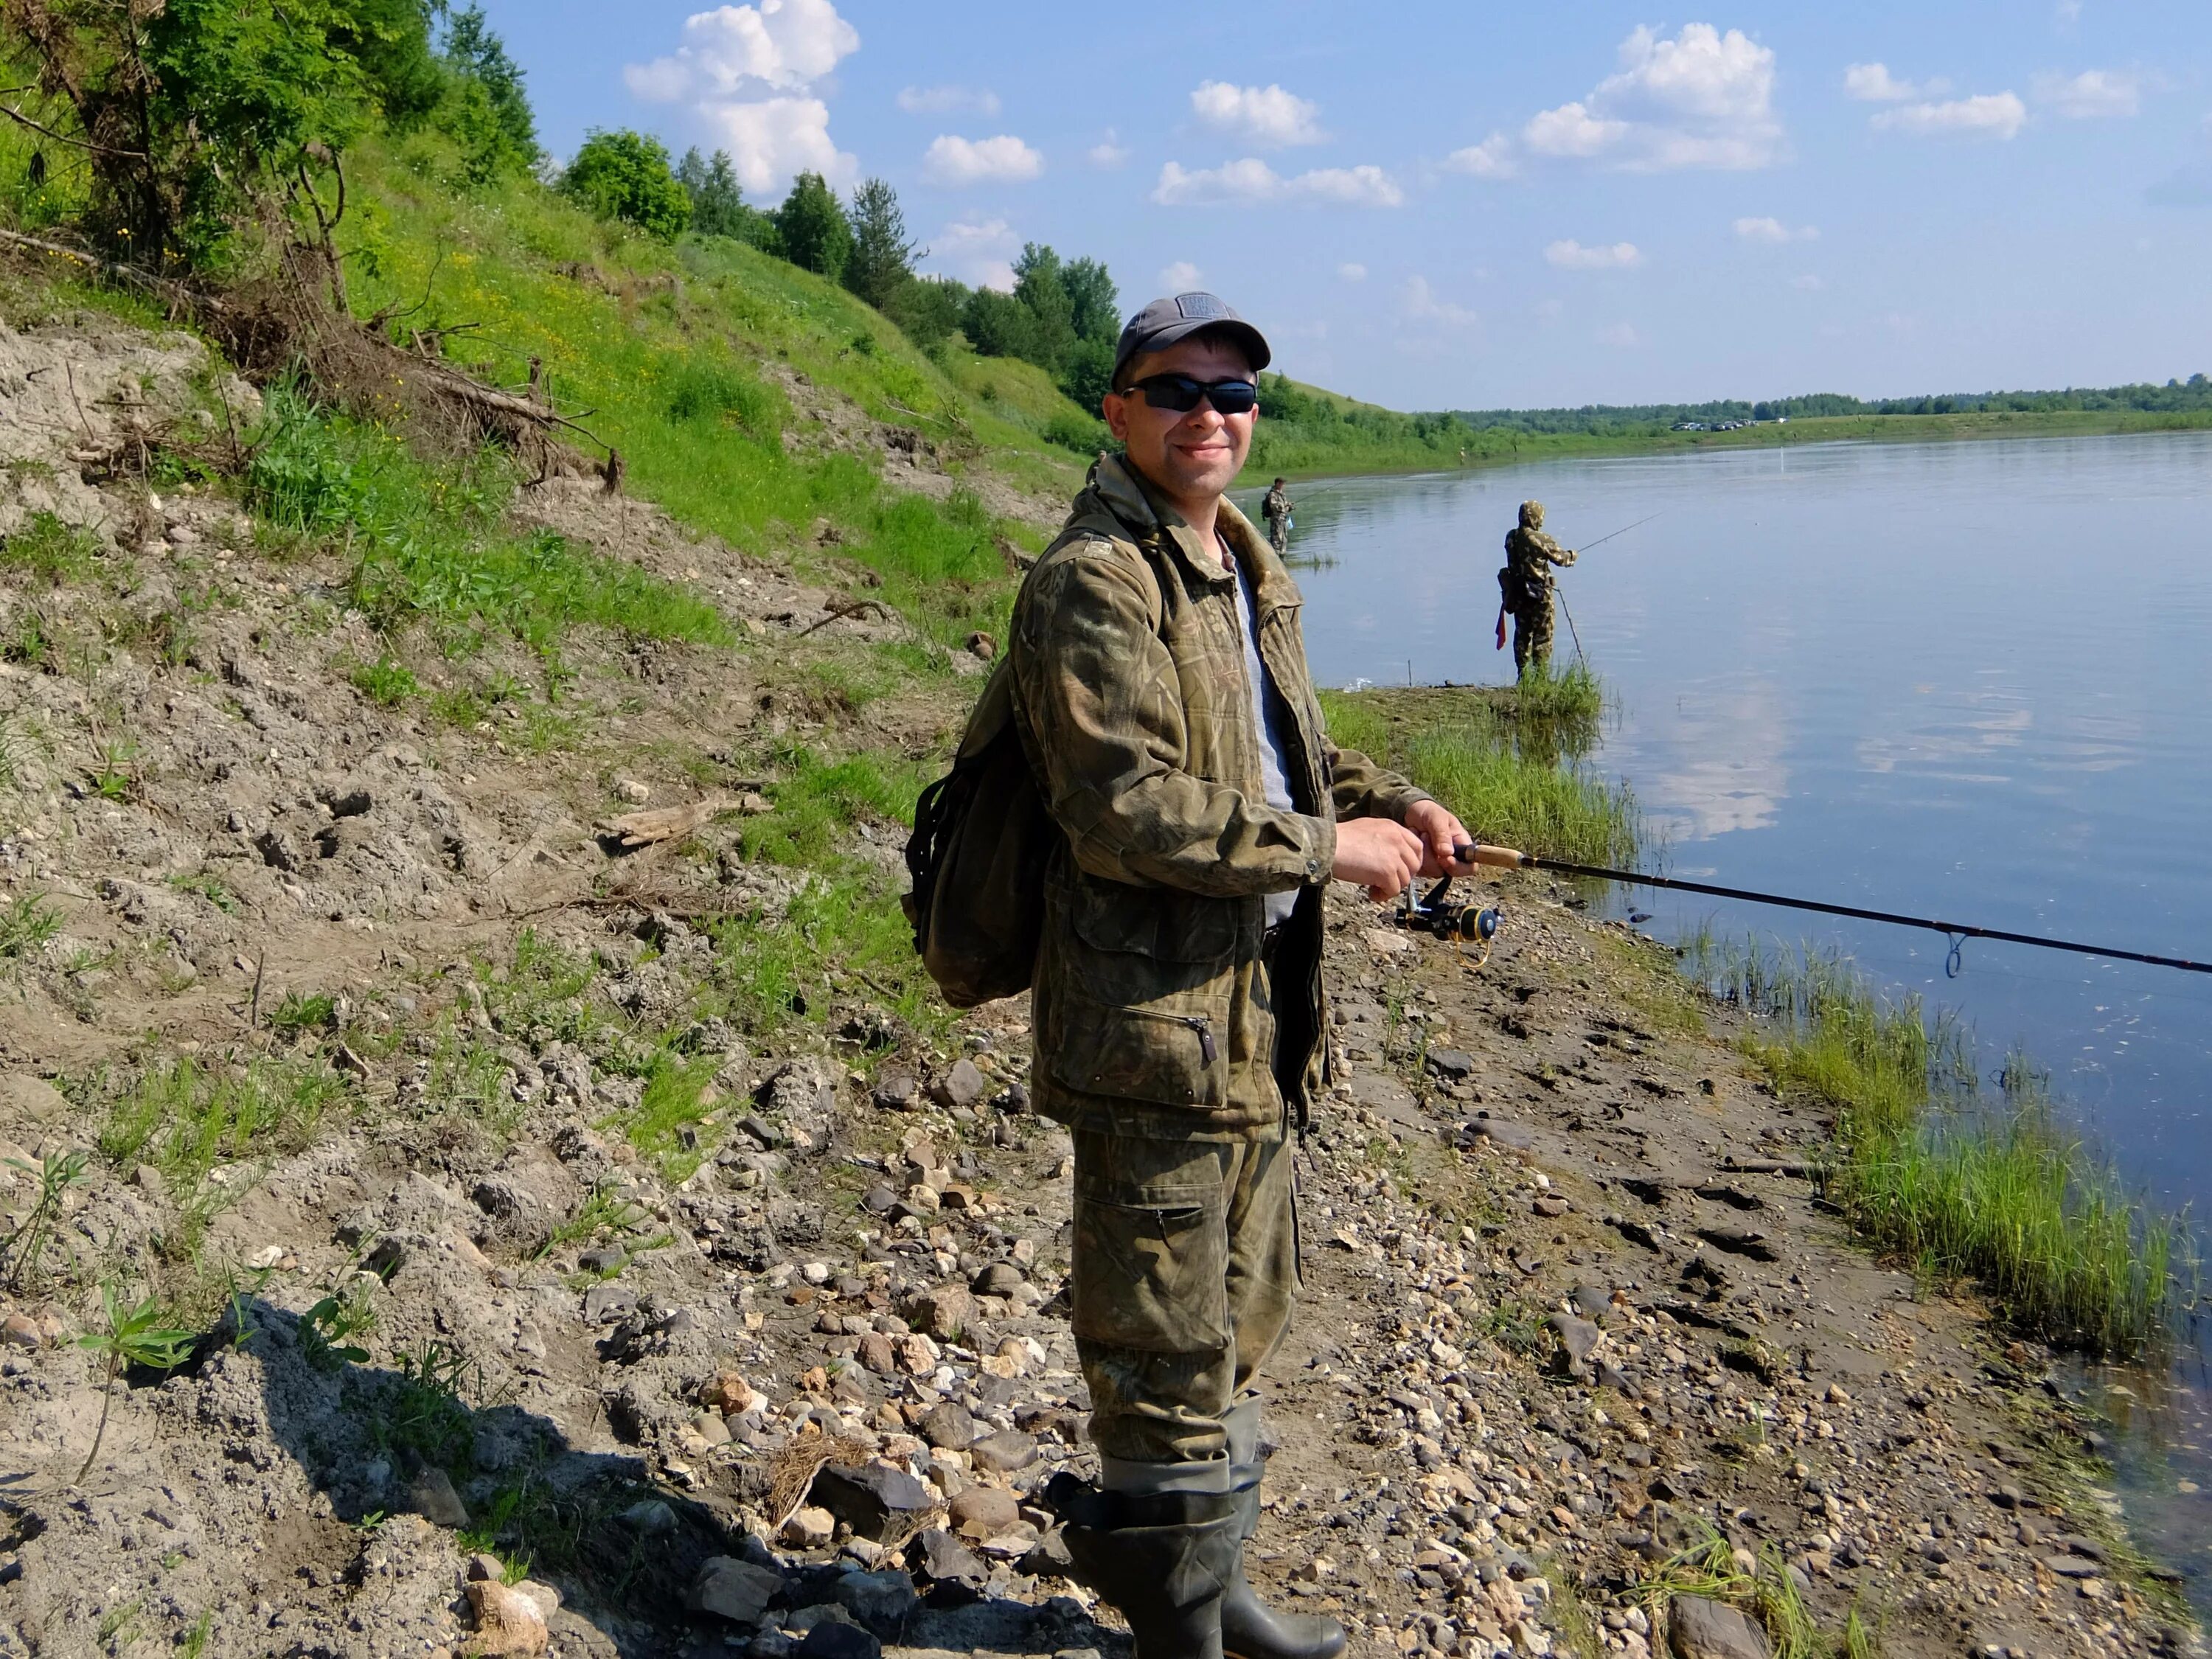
pixel 1531 639
pixel 1279 533
pixel 1185 1266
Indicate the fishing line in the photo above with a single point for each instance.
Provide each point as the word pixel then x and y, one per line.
pixel 1958 932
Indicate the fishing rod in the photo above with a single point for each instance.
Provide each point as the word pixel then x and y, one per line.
pixel 1573 632
pixel 1506 857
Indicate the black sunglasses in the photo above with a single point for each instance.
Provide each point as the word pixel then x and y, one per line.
pixel 1181 394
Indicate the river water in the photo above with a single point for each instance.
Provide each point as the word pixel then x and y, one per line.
pixel 1969 680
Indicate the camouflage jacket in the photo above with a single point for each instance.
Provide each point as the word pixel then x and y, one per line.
pixel 1132 700
pixel 1526 578
pixel 1275 505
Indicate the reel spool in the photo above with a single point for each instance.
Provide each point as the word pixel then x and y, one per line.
pixel 1436 915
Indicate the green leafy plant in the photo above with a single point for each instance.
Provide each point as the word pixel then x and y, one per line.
pixel 301 1013
pixel 114 775
pixel 25 923
pixel 327 1329
pixel 384 682
pixel 135 1335
pixel 23 1252
pixel 626 175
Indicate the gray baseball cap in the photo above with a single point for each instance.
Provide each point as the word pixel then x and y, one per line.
pixel 1164 322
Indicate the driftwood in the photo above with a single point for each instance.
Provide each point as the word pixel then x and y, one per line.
pixel 636 829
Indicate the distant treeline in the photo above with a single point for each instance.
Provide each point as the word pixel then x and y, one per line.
pixel 1631 420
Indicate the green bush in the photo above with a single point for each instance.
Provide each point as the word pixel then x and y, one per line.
pixel 1080 432
pixel 626 175
pixel 703 390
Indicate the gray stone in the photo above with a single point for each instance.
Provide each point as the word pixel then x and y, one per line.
pixel 895 1089
pixel 962 1086
pixel 1699 1629
pixel 881 1601
pixel 948 1426
pixel 604 1303
pixel 873 1500
pixel 1450 1063
pixel 1004 1452
pixel 1578 1339
pixel 834 1639
pixel 432 1494
pixel 733 1589
pixel 1594 1303
pixel 999 1279
pixel 944 1560
pixel 1516 1137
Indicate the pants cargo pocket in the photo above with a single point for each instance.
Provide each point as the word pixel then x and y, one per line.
pixel 1151 1257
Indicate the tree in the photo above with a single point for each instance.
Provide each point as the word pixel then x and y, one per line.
pixel 1000 325
pixel 390 39
pixel 1087 374
pixel 929 308
pixel 815 232
pixel 625 175
pixel 1092 300
pixel 1040 286
pixel 883 260
pixel 489 112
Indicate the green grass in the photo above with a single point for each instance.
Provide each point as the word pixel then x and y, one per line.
pixel 185 1117
pixel 49 552
pixel 817 801
pixel 385 682
pixel 675 349
pixel 1962 1182
pixel 27 922
pixel 1504 784
pixel 429 546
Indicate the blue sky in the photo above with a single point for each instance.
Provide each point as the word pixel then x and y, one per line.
pixel 1469 206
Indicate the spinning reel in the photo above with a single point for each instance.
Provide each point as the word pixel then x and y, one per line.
pixel 1435 915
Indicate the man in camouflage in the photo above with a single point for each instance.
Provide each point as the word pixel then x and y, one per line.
pixel 1524 587
pixel 1276 510
pixel 1161 691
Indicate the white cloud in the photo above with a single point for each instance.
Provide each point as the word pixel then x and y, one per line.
pixel 1005 159
pixel 1181 277
pixel 1420 304
pixel 775 139
pixel 1773 230
pixel 1621 334
pixel 1490 159
pixel 1873 83
pixel 1573 256
pixel 1109 152
pixel 1252 181
pixel 1808 283
pixel 1351 271
pixel 977 252
pixel 1701 100
pixel 949 101
pixel 746 72
pixel 1998 115
pixel 1267 115
pixel 2090 95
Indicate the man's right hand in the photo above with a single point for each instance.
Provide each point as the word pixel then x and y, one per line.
pixel 1380 854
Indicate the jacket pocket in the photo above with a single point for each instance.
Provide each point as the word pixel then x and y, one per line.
pixel 1171 1051
pixel 1151 1255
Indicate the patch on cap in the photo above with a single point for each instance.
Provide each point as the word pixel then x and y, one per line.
pixel 1199 307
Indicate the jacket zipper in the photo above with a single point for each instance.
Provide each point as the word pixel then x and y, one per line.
pixel 1198 1023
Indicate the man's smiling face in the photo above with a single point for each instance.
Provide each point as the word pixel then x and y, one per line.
pixel 1191 457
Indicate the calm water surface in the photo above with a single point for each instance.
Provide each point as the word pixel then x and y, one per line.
pixel 1968 680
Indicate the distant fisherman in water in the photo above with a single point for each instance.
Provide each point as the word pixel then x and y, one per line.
pixel 1524 588
pixel 1276 508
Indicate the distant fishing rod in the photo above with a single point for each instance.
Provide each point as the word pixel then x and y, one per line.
pixel 1573 632
pixel 1506 857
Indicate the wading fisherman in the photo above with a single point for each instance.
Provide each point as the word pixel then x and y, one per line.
pixel 1276 510
pixel 1161 693
pixel 1524 588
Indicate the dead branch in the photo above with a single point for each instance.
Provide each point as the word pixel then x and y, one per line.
pixel 850 608
pixel 14 114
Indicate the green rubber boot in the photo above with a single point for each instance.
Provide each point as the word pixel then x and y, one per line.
pixel 1164 1558
pixel 1250 1628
